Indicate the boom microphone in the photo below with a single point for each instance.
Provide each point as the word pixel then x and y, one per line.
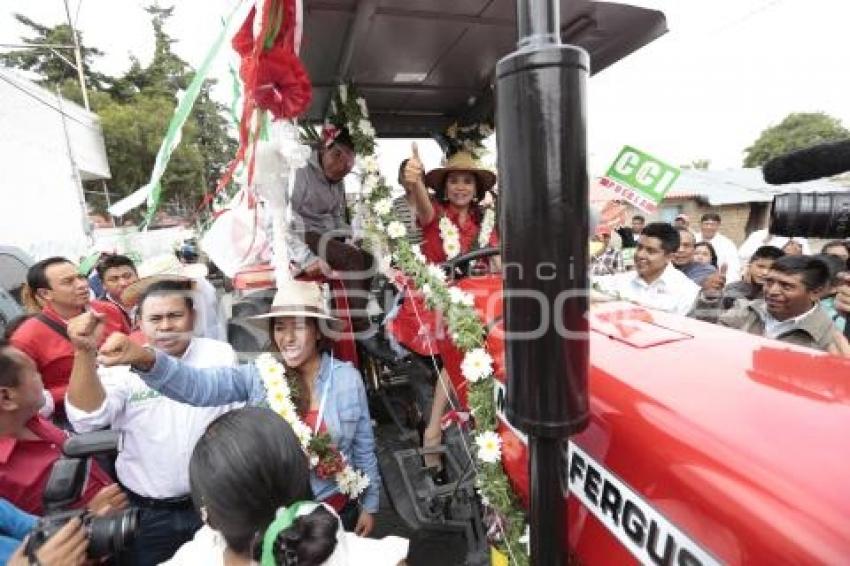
pixel 816 162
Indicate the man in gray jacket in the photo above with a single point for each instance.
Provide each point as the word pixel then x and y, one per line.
pixel 789 310
pixel 320 235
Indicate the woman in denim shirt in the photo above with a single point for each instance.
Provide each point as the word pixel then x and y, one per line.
pixel 324 383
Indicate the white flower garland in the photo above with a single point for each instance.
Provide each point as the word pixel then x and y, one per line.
pixel 487 225
pixel 450 233
pixel 351 482
pixel 477 365
pixel 450 236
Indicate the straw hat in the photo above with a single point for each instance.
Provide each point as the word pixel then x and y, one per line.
pixel 168 264
pixel 461 161
pixel 297 298
pixel 164 267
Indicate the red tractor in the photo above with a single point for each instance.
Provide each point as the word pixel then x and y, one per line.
pixel 630 436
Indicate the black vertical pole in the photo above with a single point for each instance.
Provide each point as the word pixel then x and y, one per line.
pixel 541 133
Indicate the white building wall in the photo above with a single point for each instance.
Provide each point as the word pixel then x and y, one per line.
pixel 41 207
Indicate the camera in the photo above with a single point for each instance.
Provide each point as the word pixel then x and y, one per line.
pixel 815 215
pixel 107 535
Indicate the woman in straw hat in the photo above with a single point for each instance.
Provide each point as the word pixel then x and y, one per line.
pixel 453 222
pixel 322 398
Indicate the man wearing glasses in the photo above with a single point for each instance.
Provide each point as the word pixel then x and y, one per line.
pixel 320 236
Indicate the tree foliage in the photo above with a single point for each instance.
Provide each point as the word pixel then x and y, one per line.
pixel 135 109
pixel 47 62
pixel 796 131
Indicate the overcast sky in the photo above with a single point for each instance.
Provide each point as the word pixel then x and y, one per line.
pixel 726 70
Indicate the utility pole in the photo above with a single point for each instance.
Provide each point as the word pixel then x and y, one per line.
pixel 78 57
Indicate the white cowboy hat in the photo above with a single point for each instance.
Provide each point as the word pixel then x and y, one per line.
pixel 298 298
pixel 168 264
pixel 164 267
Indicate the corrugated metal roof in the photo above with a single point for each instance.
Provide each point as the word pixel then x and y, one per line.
pixel 735 186
pixel 729 186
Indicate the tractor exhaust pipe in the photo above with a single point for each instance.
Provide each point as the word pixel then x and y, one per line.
pixel 541 129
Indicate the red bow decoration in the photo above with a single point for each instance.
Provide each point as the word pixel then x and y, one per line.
pixel 460 418
pixel 274 78
pixel 329 134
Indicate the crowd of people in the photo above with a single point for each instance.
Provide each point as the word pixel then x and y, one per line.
pixel 771 286
pixel 220 478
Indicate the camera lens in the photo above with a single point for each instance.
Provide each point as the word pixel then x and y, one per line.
pixel 112 533
pixel 817 215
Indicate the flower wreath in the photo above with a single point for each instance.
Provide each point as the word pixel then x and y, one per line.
pixel 450 233
pixel 508 529
pixel 469 138
pixel 325 458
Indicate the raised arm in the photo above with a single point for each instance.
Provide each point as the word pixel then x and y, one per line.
pixel 207 387
pixel 85 391
pixel 413 180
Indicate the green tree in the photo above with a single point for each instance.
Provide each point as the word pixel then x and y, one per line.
pixel 54 65
pixel 135 110
pixel 796 131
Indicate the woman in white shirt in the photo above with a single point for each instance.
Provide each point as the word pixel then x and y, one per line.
pixel 250 483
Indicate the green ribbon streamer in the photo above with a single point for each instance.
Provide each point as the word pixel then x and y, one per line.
pixel 175 127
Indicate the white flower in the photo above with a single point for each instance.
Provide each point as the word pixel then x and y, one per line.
pixel 383 206
pixel 426 290
pixel 365 126
pixel 526 539
pixel 459 297
pixel 484 500
pixel 451 248
pixel 343 93
pixel 396 230
pixel 437 272
pixel 370 183
pixel 314 460
pixel 371 165
pixel 352 482
pixel 362 104
pixel 489 447
pixel 477 364
pixel 416 249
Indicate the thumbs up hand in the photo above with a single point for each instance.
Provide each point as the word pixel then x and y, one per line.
pixel 413 169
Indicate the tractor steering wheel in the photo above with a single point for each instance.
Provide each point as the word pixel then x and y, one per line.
pixel 454 266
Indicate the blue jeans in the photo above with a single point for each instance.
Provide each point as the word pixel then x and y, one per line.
pixel 161 533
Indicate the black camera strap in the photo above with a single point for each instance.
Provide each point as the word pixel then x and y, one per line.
pixel 53 325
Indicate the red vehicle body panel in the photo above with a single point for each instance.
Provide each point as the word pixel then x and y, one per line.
pixel 739 441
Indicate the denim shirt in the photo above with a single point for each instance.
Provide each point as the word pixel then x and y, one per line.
pixel 346 412
pixel 15 525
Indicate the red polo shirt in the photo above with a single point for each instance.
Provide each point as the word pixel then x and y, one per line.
pixel 52 353
pixel 432 241
pixel 25 466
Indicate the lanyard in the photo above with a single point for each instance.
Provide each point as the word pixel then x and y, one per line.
pixel 324 398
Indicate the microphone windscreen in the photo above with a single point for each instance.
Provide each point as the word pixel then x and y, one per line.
pixel 816 162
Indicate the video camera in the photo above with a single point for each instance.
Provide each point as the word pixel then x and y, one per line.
pixel 107 535
pixel 817 215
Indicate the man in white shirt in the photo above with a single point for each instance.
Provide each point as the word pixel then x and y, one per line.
pixel 727 251
pixel 159 434
pixel 761 238
pixel 655 282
